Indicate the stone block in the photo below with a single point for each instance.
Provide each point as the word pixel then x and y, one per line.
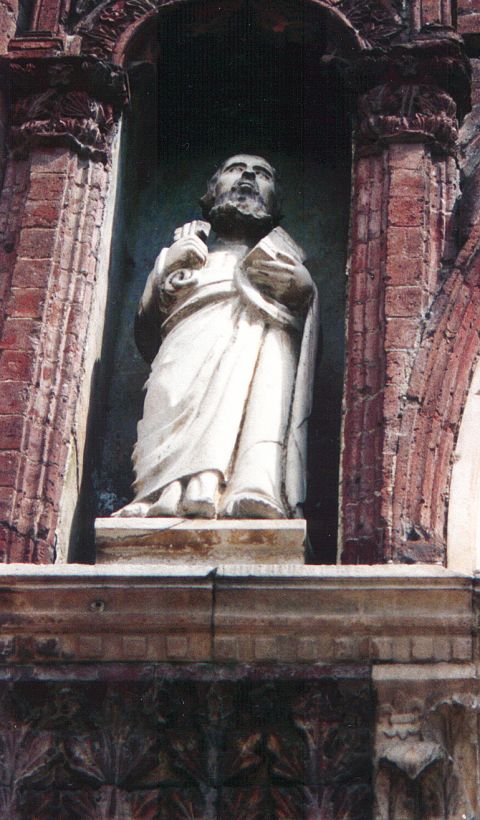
pixel 8 468
pixel 462 649
pixel 14 397
pixel 177 647
pixel 401 333
pixel 151 540
pixel 134 646
pixel 11 431
pixel 37 243
pixel 16 364
pixel 469 24
pixel 404 211
pixel 401 650
pixel 20 334
pixel 27 302
pixel 31 273
pixel 403 301
pixel 90 646
pixel 422 649
pixel 265 649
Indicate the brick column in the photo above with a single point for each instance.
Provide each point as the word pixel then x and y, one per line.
pixel 405 185
pixel 47 311
pixel 53 213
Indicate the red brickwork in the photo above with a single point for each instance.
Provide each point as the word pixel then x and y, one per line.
pixel 437 392
pixel 402 240
pixel 365 365
pixel 47 310
pixel 468 16
pixel 431 12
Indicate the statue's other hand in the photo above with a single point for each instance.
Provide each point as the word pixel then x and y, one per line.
pixel 290 284
pixel 187 252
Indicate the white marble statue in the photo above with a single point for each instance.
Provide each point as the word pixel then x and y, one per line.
pixel 231 331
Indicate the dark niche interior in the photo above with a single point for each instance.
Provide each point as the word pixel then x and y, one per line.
pixel 207 92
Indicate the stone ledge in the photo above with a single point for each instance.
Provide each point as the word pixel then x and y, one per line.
pixel 236 614
pixel 369 572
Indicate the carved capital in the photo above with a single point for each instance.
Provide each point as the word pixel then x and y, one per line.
pixel 70 101
pixel 71 118
pixel 426 748
pixel 407 113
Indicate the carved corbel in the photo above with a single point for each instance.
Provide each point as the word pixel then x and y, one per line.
pixel 67 101
pixel 407 113
pixel 423 758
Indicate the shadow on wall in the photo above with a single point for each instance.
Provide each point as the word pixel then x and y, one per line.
pixel 272 97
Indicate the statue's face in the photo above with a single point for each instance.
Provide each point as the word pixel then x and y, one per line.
pixel 245 177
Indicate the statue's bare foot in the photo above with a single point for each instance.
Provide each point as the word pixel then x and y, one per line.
pixel 137 509
pixel 199 499
pixel 251 505
pixel 168 503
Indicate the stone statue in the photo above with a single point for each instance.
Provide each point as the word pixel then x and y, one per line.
pixel 231 333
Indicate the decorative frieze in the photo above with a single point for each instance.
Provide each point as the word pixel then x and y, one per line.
pixel 173 743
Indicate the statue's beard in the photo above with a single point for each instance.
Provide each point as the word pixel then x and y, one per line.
pixel 241 213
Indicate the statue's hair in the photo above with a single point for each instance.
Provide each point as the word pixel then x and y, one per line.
pixel 208 199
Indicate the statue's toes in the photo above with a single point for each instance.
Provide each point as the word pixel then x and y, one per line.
pixel 167 505
pixel 199 499
pixel 198 508
pixel 250 505
pixel 137 509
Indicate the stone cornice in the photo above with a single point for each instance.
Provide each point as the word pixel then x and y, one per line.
pixel 250 613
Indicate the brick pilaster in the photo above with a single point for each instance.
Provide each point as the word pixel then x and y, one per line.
pixel 402 245
pixel 42 344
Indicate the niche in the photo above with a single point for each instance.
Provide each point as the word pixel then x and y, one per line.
pixel 205 86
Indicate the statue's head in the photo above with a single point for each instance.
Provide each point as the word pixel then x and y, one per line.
pixel 243 197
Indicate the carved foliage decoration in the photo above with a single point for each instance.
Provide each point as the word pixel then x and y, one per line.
pixel 370 22
pixel 378 23
pixel 427 760
pixel 73 101
pixel 415 112
pixel 185 749
pixel 73 118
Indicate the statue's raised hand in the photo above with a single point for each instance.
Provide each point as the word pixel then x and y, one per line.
pixel 188 250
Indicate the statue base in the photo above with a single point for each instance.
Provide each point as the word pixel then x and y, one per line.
pixel 194 540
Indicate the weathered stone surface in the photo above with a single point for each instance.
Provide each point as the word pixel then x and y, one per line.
pixel 83 614
pixel 159 540
pixel 236 613
pixel 300 614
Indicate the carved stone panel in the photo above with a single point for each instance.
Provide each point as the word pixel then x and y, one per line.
pixel 156 747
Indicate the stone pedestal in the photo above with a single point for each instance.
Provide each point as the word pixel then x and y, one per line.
pixel 187 540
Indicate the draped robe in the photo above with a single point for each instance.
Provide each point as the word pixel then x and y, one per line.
pixel 230 387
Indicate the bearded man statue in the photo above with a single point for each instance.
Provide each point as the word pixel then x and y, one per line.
pixel 231 331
